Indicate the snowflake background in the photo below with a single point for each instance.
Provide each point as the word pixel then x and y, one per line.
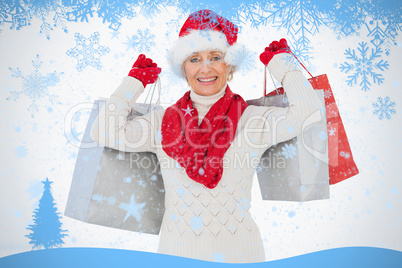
pixel 358 45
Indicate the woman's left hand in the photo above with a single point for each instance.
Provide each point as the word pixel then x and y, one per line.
pixel 274 48
pixel 145 70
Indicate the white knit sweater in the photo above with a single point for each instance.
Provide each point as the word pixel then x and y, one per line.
pixel 201 223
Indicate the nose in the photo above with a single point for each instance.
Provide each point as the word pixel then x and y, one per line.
pixel 205 67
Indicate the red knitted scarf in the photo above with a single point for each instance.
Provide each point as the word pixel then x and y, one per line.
pixel 200 148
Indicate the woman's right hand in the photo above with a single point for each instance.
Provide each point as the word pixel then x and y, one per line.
pixel 145 70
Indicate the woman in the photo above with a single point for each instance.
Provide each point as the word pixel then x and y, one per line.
pixel 210 141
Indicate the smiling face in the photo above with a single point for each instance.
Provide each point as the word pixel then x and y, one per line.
pixel 206 72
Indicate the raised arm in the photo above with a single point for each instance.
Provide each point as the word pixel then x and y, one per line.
pixel 272 125
pixel 112 129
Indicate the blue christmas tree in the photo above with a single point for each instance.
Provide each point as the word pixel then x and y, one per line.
pixel 46 230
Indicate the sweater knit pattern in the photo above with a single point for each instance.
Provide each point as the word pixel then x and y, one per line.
pixel 214 223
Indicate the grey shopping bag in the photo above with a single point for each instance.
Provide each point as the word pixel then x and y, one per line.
pixel 297 169
pixel 117 189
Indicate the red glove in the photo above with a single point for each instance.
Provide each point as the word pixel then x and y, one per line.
pixel 274 48
pixel 145 70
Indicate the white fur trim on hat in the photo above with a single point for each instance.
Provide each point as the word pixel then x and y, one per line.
pixel 201 40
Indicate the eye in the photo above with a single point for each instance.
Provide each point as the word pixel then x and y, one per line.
pixel 216 58
pixel 194 60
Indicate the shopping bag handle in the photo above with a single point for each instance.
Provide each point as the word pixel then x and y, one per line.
pixel 265 74
pixel 156 85
pixel 301 64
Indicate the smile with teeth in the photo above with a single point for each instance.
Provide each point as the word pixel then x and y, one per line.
pixel 207 79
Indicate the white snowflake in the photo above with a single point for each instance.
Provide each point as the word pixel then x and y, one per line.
pixel 327 93
pixel 384 108
pixel 35 85
pixel 87 51
pixel 142 41
pixel 331 132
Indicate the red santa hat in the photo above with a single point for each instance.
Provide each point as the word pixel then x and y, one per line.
pixel 205 30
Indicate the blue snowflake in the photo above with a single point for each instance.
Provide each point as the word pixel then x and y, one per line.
pixel 364 65
pixel 244 59
pixel 383 37
pixel 323 135
pixel 133 209
pixel 389 13
pixel 20 12
pixel 254 13
pixel 150 9
pixel 384 108
pixel 80 10
pixel 113 11
pixel 345 17
pixel 87 51
pixel 21 151
pixel 243 204
pixel 301 52
pixel 74 134
pixel 115 34
pixel 35 85
pixel 288 151
pixel 42 9
pixel 300 18
pixel 142 41
pixel 71 132
pixel 14 12
pixel 111 200
pixel 172 83
pixel 377 34
pixel 196 223
pixel 174 24
pixel 390 38
pixel 237 11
